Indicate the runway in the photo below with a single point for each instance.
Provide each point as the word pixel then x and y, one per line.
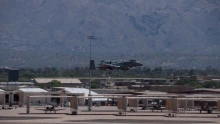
pixel 102 115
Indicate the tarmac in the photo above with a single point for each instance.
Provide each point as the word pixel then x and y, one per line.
pixel 102 115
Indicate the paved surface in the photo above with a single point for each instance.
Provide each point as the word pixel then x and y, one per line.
pixel 102 115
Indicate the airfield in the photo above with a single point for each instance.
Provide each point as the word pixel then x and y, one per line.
pixel 174 108
pixel 177 110
pixel 102 114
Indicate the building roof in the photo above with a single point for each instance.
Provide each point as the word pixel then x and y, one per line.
pixel 202 95
pixel 80 90
pixel 215 79
pixel 85 92
pixel 148 92
pixel 32 90
pixel 16 83
pixel 197 91
pixel 62 80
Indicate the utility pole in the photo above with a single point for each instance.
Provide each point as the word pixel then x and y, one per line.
pixel 90 73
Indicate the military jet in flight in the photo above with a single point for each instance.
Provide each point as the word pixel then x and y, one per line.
pixel 112 65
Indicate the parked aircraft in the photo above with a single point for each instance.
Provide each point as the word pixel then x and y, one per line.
pixel 207 108
pixel 50 108
pixel 112 65
pixel 158 107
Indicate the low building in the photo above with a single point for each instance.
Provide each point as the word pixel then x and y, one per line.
pixel 1 96
pixel 124 83
pixel 111 91
pixel 24 92
pixel 203 92
pixel 15 85
pixel 161 88
pixel 207 78
pixel 19 97
pixel 199 91
pixel 152 81
pixel 202 78
pixel 65 82
pixel 79 92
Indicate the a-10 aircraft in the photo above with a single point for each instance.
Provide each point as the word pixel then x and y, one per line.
pixel 51 107
pixel 112 65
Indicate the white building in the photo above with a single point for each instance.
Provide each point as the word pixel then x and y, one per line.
pixel 24 92
pixel 80 92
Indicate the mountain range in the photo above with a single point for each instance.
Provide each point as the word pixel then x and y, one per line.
pixel 167 33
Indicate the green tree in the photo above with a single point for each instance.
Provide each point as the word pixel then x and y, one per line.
pixel 211 84
pixel 190 82
pixel 54 83
pixel 41 86
pixel 95 84
pixel 198 85
pixel 182 82
pixel 29 75
pixel 162 83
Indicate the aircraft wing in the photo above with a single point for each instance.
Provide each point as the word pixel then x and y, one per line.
pixel 114 66
pixel 42 109
pixel 163 108
pixel 108 66
pixel 60 109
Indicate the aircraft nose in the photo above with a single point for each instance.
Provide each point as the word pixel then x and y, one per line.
pixel 139 64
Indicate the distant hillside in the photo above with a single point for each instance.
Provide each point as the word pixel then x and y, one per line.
pixel 171 33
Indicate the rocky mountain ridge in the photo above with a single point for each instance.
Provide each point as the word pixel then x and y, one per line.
pixel 174 33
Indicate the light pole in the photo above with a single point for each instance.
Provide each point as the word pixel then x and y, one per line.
pixel 90 73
